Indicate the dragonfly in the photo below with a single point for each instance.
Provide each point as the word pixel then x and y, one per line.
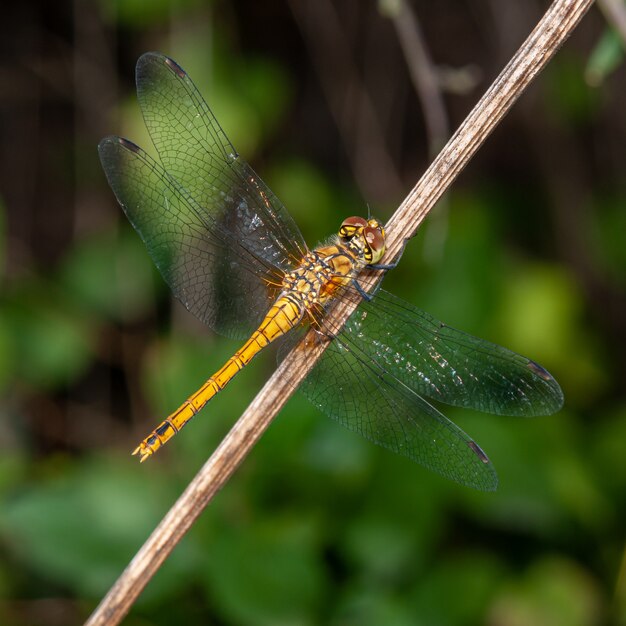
pixel 233 255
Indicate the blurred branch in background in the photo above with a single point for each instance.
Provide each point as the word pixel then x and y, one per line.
pixel 615 13
pixel 349 101
pixel 427 87
pixel 610 50
pixel 422 71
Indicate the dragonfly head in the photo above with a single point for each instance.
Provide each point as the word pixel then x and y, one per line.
pixel 364 236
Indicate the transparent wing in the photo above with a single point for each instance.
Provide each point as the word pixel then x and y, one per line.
pixel 363 396
pixel 377 368
pixel 447 365
pixel 221 282
pixel 195 151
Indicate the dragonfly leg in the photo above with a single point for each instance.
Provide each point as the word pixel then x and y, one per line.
pixel 390 266
pixel 366 296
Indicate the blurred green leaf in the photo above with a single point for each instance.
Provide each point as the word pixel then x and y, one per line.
pixel 140 13
pixel 7 351
pixel 3 242
pixel 605 58
pixel 54 341
pixel 363 605
pixel 238 118
pixel 382 547
pixel 539 309
pixel 81 528
pixel 309 196
pixel 457 590
pixel 546 484
pixel 396 525
pixel 13 471
pixel 540 316
pixel 178 365
pixel 461 289
pixel 553 592
pixel 609 452
pixel 263 85
pixel 333 449
pixel 567 96
pixel 247 96
pixel 267 572
pixel 111 276
pixel 608 226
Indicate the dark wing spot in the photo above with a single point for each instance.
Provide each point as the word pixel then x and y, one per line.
pixel 537 369
pixel 129 145
pixel 479 453
pixel 177 69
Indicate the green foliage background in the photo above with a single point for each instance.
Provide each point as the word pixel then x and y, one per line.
pixel 318 526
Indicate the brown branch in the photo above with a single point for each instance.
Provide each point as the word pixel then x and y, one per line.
pixel 552 30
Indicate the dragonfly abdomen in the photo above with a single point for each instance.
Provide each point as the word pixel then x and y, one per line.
pixel 284 314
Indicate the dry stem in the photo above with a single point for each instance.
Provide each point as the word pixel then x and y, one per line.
pixel 552 30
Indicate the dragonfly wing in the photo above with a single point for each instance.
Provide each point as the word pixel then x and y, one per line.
pixel 448 365
pixel 196 152
pixel 367 399
pixel 221 283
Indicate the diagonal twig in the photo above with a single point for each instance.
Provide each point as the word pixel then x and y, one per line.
pixel 549 34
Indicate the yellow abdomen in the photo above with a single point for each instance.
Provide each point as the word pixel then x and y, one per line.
pixel 285 313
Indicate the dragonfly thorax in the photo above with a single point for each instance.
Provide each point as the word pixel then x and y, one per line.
pixel 320 272
pixel 323 271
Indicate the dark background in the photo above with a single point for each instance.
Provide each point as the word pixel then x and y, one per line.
pixel 318 526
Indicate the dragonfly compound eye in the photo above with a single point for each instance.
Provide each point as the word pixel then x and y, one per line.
pixel 350 226
pixel 375 241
